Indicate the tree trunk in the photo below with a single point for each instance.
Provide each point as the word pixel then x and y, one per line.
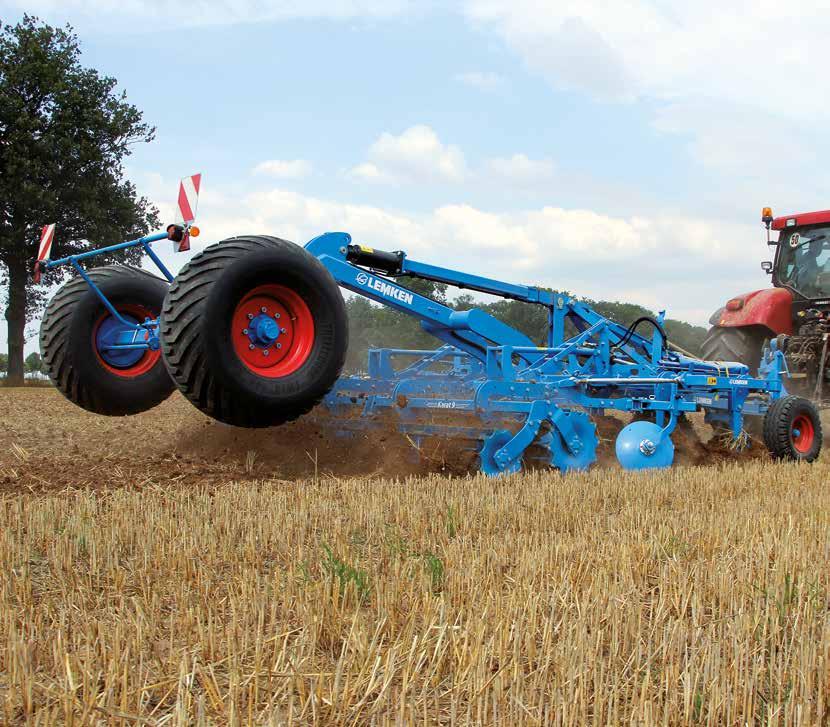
pixel 16 318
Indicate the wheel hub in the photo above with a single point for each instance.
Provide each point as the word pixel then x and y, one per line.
pixel 272 331
pixel 264 331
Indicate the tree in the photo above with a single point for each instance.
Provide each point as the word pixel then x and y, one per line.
pixel 64 133
pixel 34 364
pixel 4 363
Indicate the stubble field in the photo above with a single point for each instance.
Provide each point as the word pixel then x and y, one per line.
pixel 163 569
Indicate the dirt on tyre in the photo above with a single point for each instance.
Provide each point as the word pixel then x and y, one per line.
pixel 76 330
pixel 792 429
pixel 254 331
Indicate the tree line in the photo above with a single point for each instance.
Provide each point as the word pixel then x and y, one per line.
pixel 33 364
pixel 377 326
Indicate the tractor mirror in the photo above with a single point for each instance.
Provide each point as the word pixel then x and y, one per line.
pixel 766 266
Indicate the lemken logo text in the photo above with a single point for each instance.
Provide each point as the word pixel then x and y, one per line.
pixel 386 289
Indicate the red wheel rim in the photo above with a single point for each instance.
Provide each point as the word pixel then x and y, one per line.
pixel 803 433
pixel 294 340
pixel 148 359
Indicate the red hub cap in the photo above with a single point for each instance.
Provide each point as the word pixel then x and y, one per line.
pixel 130 363
pixel 272 331
pixel 803 434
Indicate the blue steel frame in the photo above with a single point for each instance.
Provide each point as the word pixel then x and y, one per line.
pixel 492 375
pixel 488 376
pixel 129 335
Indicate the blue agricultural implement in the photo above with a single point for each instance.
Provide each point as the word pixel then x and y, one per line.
pixel 253 331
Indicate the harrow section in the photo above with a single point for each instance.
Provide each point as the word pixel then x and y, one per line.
pixel 510 399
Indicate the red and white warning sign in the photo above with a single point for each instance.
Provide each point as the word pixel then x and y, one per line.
pixel 47 234
pixel 186 206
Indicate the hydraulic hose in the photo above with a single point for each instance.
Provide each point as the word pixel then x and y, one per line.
pixel 629 332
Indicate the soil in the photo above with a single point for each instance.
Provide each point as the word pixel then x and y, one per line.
pixel 48 444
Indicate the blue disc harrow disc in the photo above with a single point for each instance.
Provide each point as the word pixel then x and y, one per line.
pixel 493 444
pixel 639 446
pixel 565 460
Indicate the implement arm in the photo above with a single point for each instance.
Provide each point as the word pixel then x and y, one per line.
pixel 473 330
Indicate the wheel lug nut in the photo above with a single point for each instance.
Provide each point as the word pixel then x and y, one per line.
pixel 276 315
pixel 282 330
pixel 265 352
pixel 279 345
pixel 244 331
pixel 250 316
pixel 263 309
pixel 251 346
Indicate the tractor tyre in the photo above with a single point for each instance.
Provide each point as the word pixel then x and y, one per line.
pixel 792 429
pixel 741 345
pixel 254 331
pixel 71 333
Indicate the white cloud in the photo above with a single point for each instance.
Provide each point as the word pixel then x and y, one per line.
pixel 738 78
pixel 184 13
pixel 520 170
pixel 671 261
pixel 744 51
pixel 416 155
pixel 283 169
pixel 482 80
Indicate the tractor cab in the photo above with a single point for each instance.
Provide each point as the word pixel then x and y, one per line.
pixel 802 259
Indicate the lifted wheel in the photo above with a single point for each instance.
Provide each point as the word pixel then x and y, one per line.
pixel 75 333
pixel 792 429
pixel 254 331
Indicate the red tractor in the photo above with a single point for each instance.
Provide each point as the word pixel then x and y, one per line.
pixel 795 312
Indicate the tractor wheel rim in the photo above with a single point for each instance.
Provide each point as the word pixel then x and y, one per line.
pixel 126 363
pixel 272 331
pixel 803 434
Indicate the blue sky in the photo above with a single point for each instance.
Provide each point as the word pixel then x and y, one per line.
pixel 621 151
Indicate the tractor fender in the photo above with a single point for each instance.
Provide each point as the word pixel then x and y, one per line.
pixel 771 308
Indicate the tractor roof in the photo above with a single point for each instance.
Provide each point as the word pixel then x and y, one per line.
pixel 804 218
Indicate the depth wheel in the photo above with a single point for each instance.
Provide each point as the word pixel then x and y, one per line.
pixel 75 333
pixel 254 331
pixel 792 429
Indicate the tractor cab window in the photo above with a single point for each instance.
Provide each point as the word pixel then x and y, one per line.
pixel 804 260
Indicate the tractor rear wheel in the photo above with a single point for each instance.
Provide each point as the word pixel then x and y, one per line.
pixel 254 331
pixel 76 327
pixel 741 345
pixel 792 429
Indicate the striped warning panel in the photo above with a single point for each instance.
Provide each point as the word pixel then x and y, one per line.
pixel 47 235
pixel 188 199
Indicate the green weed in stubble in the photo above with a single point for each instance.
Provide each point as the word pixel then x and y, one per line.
pixel 697 709
pixel 450 522
pixel 305 572
pixel 345 573
pixel 783 601
pixel 435 568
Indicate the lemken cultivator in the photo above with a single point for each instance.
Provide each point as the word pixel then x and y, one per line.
pixel 253 331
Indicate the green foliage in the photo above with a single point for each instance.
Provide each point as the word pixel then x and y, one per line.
pixel 65 131
pixel 435 568
pixel 4 363
pixel 345 574
pixel 34 364
pixel 376 326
